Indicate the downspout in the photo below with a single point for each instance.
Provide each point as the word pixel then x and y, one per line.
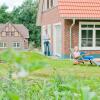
pixel 71 34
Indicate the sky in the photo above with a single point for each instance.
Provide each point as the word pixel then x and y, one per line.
pixel 11 3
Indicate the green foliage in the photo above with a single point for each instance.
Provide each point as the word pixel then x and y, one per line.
pixel 4 15
pixel 17 60
pixel 69 88
pixel 53 87
pixel 25 14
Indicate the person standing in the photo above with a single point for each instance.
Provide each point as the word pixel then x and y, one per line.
pixel 46 44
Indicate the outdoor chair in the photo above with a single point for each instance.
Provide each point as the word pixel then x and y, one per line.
pixel 81 58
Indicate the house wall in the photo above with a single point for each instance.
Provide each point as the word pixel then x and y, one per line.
pixel 55 3
pixel 75 37
pixel 9 41
pixel 51 17
pixel 26 44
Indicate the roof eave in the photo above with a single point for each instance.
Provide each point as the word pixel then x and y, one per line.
pixel 81 18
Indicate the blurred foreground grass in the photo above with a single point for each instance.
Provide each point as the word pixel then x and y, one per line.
pixel 48 79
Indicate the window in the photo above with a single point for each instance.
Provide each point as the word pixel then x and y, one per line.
pixel 97 38
pixel 12 29
pixel 7 28
pixel 2 45
pixel 7 33
pixel 89 36
pixel 16 45
pixel 3 34
pixel 55 2
pixel 12 33
pixel 52 3
pixel 16 34
pixel 48 4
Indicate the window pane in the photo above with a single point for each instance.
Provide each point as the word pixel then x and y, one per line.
pixel 97 42
pixel 48 4
pixel 18 44
pixel 52 3
pixel 90 43
pixel 90 26
pixel 87 33
pixel 84 42
pixel 14 44
pixel 90 33
pixel 12 29
pixel 1 44
pixel 5 45
pixel 97 26
pixel 84 26
pixel 16 34
pixel 84 32
pixel 7 28
pixel 87 26
pixel 97 33
pixel 87 43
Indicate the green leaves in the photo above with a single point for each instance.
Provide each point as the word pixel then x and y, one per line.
pixel 13 96
pixel 86 94
pixel 42 86
pixel 25 14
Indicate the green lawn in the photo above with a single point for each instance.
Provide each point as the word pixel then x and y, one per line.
pixel 43 68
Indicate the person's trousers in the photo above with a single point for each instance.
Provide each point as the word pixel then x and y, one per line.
pixel 47 48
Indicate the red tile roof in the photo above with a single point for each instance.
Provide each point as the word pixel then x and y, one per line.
pixel 79 8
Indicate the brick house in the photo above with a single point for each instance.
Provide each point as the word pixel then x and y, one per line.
pixel 70 23
pixel 13 36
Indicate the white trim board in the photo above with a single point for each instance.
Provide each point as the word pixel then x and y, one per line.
pixel 55 45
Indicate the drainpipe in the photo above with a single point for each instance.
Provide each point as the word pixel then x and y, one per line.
pixel 71 34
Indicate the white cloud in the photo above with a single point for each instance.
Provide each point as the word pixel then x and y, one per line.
pixel 11 3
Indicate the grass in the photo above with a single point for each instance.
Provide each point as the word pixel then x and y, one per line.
pixel 45 68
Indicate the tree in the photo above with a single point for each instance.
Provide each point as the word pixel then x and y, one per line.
pixel 26 14
pixel 4 15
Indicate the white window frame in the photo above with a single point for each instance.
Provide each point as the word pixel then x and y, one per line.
pixel 16 44
pixel 94 37
pixel 49 31
pixel 55 2
pixel 54 49
pixel 3 45
pixel 42 38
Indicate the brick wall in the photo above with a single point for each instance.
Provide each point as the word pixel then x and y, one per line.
pixel 26 45
pixel 10 40
pixel 75 37
pixel 51 17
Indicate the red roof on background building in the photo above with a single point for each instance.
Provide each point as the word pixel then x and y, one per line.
pixel 79 8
